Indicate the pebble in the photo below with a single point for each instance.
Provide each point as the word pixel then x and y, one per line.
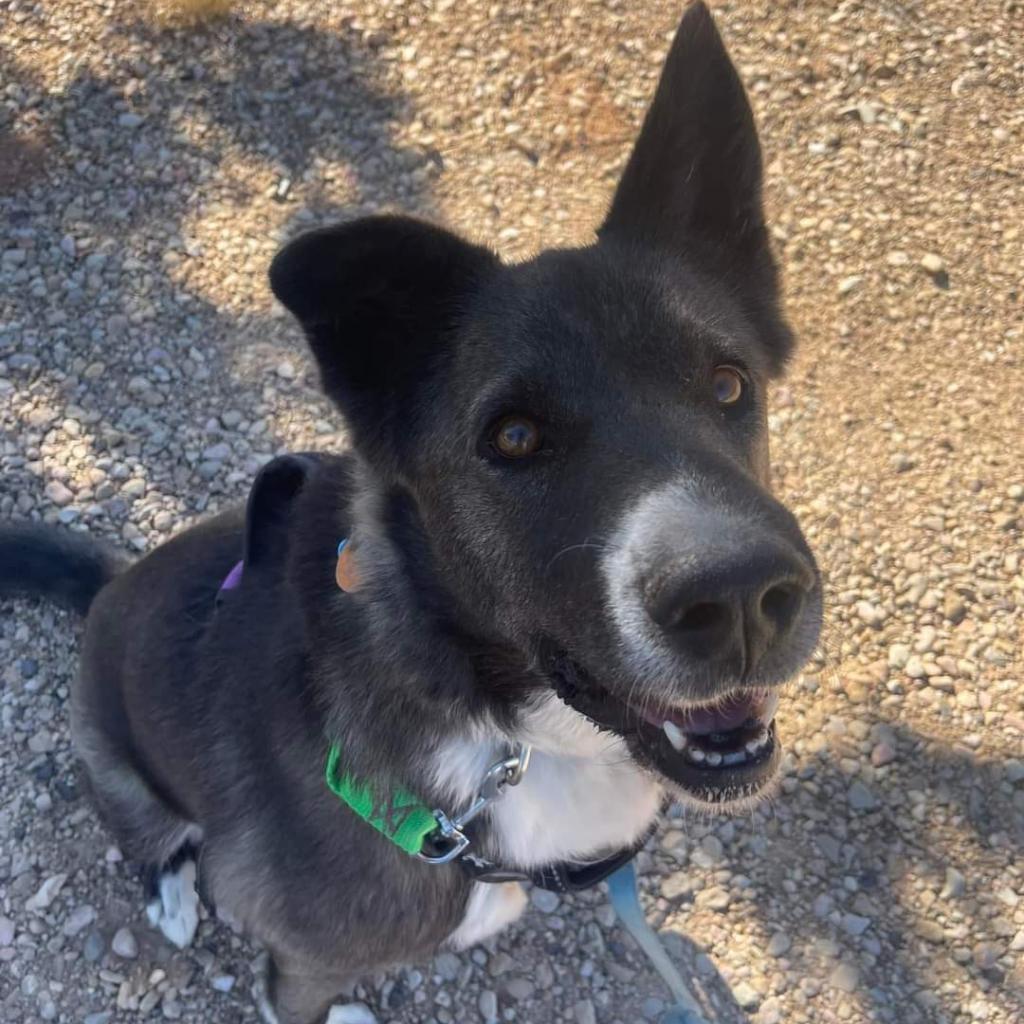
pixel 882 754
pixel 448 965
pixel 584 1012
pixel 779 944
pixel 854 924
pixel 933 263
pixel 6 931
pixel 124 944
pixel 101 1017
pixel 746 996
pixel 544 900
pixel 78 920
pixel 487 1004
pixel 845 977
pixel 222 982
pixel 46 893
pixel 860 797
pixel 954 885
pixel 58 493
pixel 352 1013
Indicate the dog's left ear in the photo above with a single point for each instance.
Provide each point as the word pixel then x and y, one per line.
pixel 693 182
pixel 380 300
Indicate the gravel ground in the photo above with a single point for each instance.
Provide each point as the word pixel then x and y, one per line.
pixel 146 177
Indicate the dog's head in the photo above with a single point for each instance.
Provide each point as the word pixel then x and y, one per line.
pixel 583 436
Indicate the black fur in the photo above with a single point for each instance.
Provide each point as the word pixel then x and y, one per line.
pixel 69 568
pixel 208 721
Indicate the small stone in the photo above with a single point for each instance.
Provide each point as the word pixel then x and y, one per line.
pixel 848 284
pixel 42 742
pixel 915 668
pixel 930 931
pixel 544 900
pixel 715 898
pixel 352 1013
pixel 129 120
pixel 448 965
pixel 102 1017
pixel 46 893
pixel 584 1013
pixel 882 753
pixel 6 931
pixel 487 1004
pixel 500 963
pixel 217 452
pixel 222 982
pixel 954 609
pixel 78 920
pixel 860 797
pixel 954 885
pixel 844 977
pixel 854 924
pixel 899 655
pixel 933 263
pixel 58 493
pixel 986 954
pixel 747 997
pixel 519 989
pixel 286 370
pixel 124 944
pixel 94 947
pixel 779 944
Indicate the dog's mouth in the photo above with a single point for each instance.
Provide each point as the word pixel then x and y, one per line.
pixel 716 752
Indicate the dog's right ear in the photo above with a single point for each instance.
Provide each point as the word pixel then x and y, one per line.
pixel 693 182
pixel 379 299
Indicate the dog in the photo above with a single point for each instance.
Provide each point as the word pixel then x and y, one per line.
pixel 548 588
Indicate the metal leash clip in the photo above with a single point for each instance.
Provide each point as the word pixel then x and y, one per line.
pixel 450 840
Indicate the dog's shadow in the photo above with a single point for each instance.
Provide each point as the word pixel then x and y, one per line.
pixel 878 852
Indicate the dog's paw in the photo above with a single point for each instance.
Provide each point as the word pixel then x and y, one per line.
pixel 261 989
pixel 174 908
pixel 350 1013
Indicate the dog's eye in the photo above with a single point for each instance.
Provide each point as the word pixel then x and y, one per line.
pixel 516 437
pixel 728 384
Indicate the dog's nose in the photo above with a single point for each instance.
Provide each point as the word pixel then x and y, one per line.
pixel 732 605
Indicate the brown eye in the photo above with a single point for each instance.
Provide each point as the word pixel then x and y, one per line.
pixel 516 437
pixel 728 384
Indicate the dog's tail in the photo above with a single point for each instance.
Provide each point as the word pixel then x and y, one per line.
pixel 46 561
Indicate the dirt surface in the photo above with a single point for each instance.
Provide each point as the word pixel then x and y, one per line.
pixel 147 175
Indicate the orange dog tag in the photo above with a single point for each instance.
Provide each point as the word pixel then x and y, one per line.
pixel 346 573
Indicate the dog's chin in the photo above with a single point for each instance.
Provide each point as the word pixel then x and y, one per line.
pixel 716 756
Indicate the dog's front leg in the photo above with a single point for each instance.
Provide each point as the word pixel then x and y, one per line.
pixel 286 993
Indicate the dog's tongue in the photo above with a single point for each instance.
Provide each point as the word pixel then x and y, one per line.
pixel 727 714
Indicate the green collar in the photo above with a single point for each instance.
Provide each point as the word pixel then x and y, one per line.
pixel 403 818
pixel 430 835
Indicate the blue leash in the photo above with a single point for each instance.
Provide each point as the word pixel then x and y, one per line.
pixel 625 900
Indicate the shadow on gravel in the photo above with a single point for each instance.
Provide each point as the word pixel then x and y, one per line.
pixel 136 152
pixel 881 855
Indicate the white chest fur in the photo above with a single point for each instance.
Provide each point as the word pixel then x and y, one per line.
pixel 582 795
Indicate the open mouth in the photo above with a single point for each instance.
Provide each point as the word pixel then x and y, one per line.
pixel 717 752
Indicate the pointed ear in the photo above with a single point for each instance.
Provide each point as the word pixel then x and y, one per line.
pixel 693 181
pixel 380 300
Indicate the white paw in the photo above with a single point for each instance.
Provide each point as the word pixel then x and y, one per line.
pixel 176 911
pixel 351 1013
pixel 261 989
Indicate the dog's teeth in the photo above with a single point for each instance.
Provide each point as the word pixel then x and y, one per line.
pixel 675 735
pixel 714 758
pixel 734 757
pixel 696 755
pixel 757 743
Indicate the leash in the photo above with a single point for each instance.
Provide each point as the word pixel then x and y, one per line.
pixel 624 897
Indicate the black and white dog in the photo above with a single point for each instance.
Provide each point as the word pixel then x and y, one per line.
pixel 565 570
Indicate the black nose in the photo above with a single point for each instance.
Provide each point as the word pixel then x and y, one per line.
pixel 732 605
